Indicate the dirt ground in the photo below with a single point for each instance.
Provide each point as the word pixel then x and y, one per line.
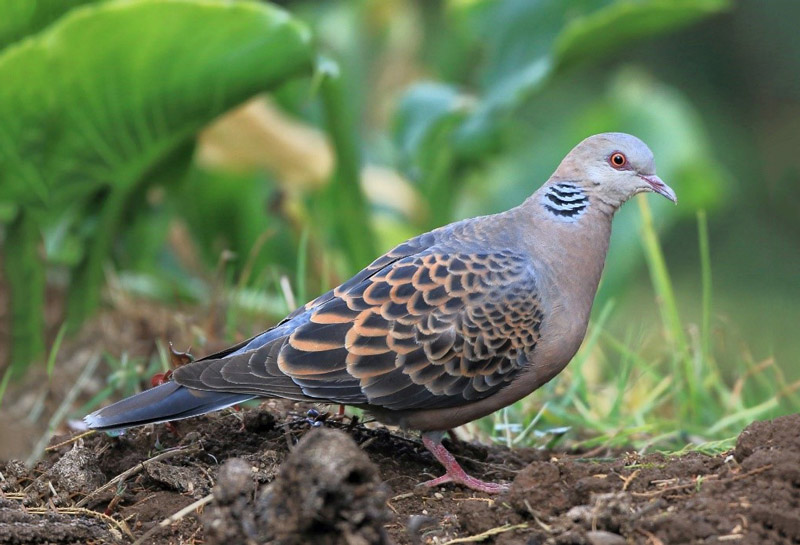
pixel 280 474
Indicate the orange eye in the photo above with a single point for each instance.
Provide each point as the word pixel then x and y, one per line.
pixel 618 160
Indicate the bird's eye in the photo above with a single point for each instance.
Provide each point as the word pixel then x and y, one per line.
pixel 618 160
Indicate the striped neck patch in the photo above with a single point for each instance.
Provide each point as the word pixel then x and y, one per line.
pixel 565 201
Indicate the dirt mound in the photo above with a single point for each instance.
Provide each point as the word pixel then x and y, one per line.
pixel 277 479
pixel 343 500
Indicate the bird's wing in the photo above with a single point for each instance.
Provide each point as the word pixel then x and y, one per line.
pixel 432 329
pixel 410 247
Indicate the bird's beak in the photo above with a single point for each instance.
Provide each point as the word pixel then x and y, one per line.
pixel 660 187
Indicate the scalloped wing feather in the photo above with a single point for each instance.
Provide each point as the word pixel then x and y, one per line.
pixel 418 328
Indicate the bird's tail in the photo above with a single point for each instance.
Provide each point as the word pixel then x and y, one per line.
pixel 168 401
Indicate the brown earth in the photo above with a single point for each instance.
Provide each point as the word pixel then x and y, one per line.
pixel 270 475
pixel 275 477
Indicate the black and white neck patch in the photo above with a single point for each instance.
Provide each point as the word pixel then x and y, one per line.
pixel 566 201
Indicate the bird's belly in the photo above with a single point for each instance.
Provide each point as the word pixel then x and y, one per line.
pixel 452 417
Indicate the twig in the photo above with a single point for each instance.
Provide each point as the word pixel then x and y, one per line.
pixel 136 469
pixel 654 493
pixel 403 496
pixel 175 517
pixel 629 479
pixel 652 539
pixel 488 501
pixel 121 526
pixel 486 535
pixel 694 483
pixel 51 448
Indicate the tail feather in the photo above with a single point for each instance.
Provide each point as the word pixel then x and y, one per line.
pixel 166 402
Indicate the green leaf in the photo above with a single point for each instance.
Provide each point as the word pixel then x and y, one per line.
pixel 24 271
pixel 231 212
pixel 606 30
pixel 543 38
pixel 97 102
pixel 98 98
pixel 345 207
pixel 422 129
pixel 23 17
pixel 538 40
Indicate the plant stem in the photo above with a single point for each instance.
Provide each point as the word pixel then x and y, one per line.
pixel 87 278
pixel 25 271
pixel 705 271
pixel 347 210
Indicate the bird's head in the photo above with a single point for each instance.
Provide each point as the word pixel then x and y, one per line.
pixel 613 167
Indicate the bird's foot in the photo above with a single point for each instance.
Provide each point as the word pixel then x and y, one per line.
pixel 454 472
pixel 468 481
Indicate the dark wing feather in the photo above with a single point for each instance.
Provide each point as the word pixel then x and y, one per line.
pixel 429 329
pixel 273 382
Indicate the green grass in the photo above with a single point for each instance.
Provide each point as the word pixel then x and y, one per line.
pixel 665 391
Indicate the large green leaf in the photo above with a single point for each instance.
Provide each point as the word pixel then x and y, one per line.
pixel 541 38
pixel 99 97
pixel 99 102
pixel 23 17
pixel 606 30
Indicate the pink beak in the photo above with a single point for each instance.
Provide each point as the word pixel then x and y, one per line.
pixel 660 187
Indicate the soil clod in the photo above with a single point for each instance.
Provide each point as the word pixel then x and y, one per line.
pixel 343 500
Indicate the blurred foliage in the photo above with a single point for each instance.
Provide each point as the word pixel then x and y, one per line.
pixel 24 17
pixel 101 105
pixel 113 94
pixel 441 110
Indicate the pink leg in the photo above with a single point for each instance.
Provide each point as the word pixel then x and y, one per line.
pixel 454 472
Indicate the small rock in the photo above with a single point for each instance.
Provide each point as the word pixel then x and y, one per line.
pixel 601 537
pixel 77 471
pixel 416 525
pixel 235 479
pixel 231 517
pixel 580 513
pixel 179 478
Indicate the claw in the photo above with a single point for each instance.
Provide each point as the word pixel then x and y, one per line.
pixel 454 472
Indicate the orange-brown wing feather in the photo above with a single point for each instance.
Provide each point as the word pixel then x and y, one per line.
pixel 250 366
pixel 435 329
pixel 431 330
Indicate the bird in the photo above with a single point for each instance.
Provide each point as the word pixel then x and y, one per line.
pixel 444 328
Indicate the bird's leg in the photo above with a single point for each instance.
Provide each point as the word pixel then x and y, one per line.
pixel 454 472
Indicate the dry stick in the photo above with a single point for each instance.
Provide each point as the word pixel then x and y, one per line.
pixel 485 535
pixel 690 485
pixel 651 537
pixel 175 517
pixel 403 496
pixel 51 448
pixel 629 479
pixel 121 526
pixel 136 469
